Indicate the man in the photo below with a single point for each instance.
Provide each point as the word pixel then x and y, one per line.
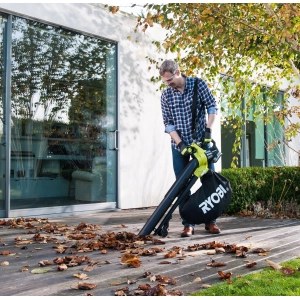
pixel 176 105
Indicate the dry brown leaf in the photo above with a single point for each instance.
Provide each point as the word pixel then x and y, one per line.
pixel 146 274
pixel 171 254
pixel 88 268
pixel 216 264
pixel 126 258
pixel 144 287
pixel 121 226
pixel 134 263
pixel 120 293
pixel 139 242
pixel 205 286
pixel 24 269
pixel 130 281
pixel 81 276
pixel 259 250
pixel 6 252
pixel 225 275
pixel 287 271
pixel 115 283
pixel 85 286
pixel 43 263
pixel 220 250
pixel 211 252
pixel 4 263
pixel 165 262
pixel 152 278
pixel 273 264
pixel 197 279
pixel 62 267
pixel 251 264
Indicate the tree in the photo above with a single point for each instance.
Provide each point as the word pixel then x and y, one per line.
pixel 250 48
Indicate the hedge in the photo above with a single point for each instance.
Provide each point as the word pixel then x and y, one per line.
pixel 274 188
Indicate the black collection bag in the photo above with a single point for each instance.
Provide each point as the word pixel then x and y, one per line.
pixel 209 201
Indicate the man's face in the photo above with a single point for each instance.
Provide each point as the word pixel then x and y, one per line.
pixel 170 79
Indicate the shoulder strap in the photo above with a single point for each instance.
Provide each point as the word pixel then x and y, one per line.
pixel 194 108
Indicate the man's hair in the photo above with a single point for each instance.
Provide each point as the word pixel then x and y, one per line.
pixel 168 66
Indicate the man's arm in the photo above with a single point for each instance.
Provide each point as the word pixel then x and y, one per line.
pixel 175 137
pixel 210 120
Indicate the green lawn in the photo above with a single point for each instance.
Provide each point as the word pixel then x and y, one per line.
pixel 269 282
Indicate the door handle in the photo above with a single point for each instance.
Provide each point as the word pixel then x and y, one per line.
pixel 115 140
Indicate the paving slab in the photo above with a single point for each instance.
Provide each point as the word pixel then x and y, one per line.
pixel 279 237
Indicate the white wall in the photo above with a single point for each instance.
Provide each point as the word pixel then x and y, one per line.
pixel 293 147
pixel 145 165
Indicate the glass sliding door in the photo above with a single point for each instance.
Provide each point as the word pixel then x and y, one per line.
pixel 3 23
pixel 63 117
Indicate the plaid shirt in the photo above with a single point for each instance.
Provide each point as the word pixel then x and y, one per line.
pixel 177 109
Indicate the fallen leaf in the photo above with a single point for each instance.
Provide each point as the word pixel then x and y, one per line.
pixel 62 267
pixel 225 276
pixel 116 283
pixel 81 276
pixel 248 237
pixel 197 279
pixel 43 263
pixel 146 274
pixel 120 293
pixel 131 281
pixel 273 264
pixel 251 264
pixel 152 278
pixel 121 226
pixel 39 271
pixel 171 254
pixel 85 286
pixel 165 262
pixel 220 250
pixel 174 293
pixel 4 263
pixel 88 268
pixel 205 286
pixel 144 286
pixel 216 264
pixel 211 252
pixel 6 252
pixel 24 269
pixel 287 271
pixel 131 260
pixel 259 250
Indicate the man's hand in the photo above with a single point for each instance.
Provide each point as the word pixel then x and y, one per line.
pixel 183 148
pixel 207 136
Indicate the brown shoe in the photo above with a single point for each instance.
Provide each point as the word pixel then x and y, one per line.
pixel 212 228
pixel 187 231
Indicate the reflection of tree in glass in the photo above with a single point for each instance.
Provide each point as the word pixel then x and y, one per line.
pixel 58 73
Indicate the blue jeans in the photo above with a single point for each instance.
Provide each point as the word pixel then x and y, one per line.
pixel 179 163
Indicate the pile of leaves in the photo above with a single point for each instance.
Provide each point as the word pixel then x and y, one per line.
pixel 84 238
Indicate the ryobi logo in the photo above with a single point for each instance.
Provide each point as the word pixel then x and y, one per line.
pixel 213 198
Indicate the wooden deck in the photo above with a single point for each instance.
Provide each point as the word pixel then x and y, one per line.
pixel 280 237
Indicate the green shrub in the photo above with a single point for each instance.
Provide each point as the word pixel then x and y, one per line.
pixel 272 189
